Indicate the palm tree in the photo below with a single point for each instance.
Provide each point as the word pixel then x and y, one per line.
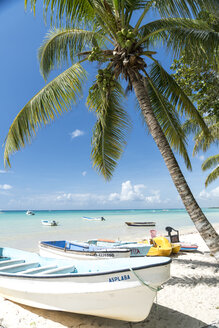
pixel 104 31
pixel 203 143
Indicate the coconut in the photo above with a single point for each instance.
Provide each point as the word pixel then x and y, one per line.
pixel 128 43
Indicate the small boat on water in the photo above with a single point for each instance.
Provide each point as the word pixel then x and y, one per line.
pixel 94 219
pixel 52 223
pixel 141 224
pixel 30 212
pixel 79 250
pixel 135 248
pixel 122 289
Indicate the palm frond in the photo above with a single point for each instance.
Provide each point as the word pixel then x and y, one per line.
pixel 212 176
pixel 190 126
pixel 72 11
pixel 169 122
pixel 167 86
pixel 203 142
pixel 54 99
pixel 185 8
pixel 196 39
pixel 193 37
pixel 61 44
pixel 109 133
pixel 209 163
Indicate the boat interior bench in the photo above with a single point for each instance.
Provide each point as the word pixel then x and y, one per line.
pixel 8 265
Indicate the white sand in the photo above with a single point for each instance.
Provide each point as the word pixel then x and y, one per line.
pixel 190 299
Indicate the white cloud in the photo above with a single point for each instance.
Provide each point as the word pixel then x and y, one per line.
pixel 129 193
pixel 201 158
pixel 214 193
pixel 135 193
pixel 2 171
pixel 84 173
pixel 82 198
pixel 5 187
pixel 154 198
pixel 77 133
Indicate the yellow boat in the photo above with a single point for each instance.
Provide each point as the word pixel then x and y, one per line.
pixel 161 247
pixel 175 247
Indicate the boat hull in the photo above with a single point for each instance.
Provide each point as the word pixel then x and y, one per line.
pixel 136 249
pixel 124 294
pixel 140 224
pixel 53 252
pixel 188 247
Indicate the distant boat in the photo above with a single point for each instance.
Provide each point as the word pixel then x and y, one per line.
pixel 141 224
pixel 122 289
pixel 30 212
pixel 49 223
pixel 94 219
pixel 79 250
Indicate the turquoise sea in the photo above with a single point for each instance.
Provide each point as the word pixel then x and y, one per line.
pixel 24 231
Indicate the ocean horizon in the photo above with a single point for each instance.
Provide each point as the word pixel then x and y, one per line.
pixel 25 231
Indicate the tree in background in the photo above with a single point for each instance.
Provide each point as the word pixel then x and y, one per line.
pixel 102 31
pixel 200 81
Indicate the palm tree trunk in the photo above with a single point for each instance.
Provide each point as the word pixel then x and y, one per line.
pixel 202 224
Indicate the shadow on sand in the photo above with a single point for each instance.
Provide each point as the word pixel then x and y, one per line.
pixel 159 317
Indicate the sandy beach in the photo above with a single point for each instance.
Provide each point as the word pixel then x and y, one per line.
pixel 190 299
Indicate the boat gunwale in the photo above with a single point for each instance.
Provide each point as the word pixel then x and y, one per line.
pixel 102 251
pixel 88 274
pixel 143 223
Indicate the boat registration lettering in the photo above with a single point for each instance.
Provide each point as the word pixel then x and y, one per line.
pixel 105 254
pixel 114 279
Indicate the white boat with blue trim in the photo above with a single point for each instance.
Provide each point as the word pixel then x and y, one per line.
pixel 30 212
pixel 136 249
pixel 94 219
pixel 51 223
pixel 79 250
pixel 122 289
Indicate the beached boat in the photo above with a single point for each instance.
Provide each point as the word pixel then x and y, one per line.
pixel 135 248
pixel 122 289
pixel 79 250
pixel 94 219
pixel 160 247
pixel 188 247
pixel 30 212
pixel 184 246
pixel 49 223
pixel 140 224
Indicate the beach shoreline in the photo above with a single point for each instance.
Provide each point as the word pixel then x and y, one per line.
pixel 188 300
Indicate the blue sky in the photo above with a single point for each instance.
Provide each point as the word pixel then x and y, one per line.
pixel 55 171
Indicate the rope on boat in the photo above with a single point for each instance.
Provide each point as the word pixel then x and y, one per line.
pixel 154 289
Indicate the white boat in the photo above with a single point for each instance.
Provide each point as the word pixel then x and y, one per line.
pixel 122 289
pixel 30 212
pixel 49 223
pixel 136 249
pixel 80 251
pixel 94 219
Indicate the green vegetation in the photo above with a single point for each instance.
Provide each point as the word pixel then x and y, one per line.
pixel 200 81
pixel 102 31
